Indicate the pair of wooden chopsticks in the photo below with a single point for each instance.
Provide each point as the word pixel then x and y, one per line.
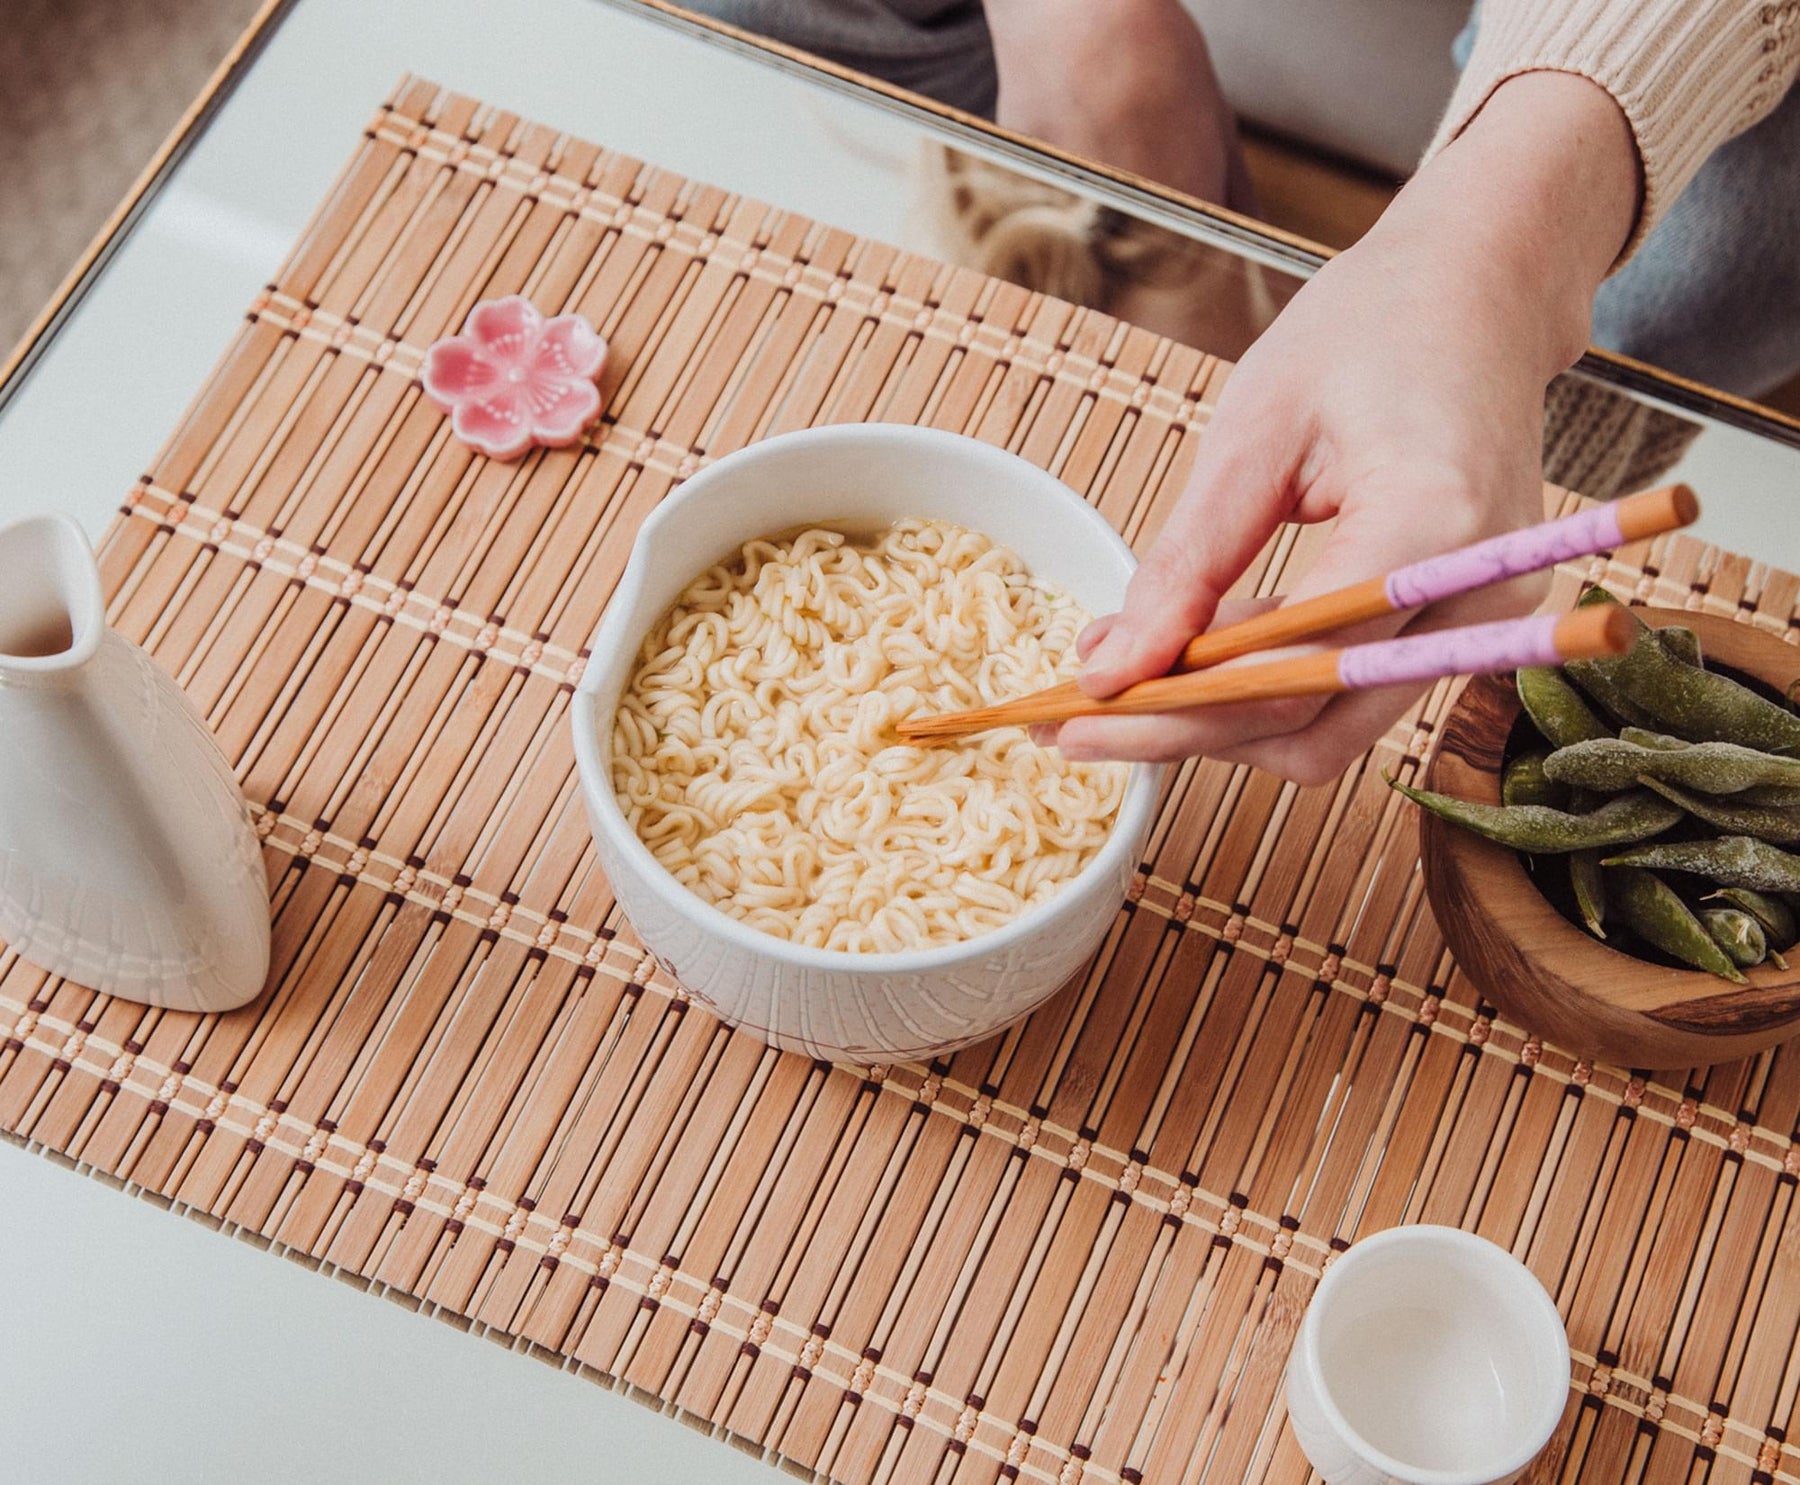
pixel 1541 640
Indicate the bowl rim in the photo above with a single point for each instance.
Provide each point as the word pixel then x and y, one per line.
pixel 1137 806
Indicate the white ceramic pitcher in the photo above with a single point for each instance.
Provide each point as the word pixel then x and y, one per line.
pixel 127 859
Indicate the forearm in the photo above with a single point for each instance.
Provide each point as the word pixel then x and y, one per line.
pixel 1688 74
pixel 1526 211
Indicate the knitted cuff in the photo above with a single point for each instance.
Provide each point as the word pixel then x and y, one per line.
pixel 1689 74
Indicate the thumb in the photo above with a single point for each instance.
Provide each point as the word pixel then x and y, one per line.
pixel 1233 502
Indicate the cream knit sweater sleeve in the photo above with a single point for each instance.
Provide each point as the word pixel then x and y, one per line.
pixel 1689 74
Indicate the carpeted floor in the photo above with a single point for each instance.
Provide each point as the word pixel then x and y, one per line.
pixel 88 89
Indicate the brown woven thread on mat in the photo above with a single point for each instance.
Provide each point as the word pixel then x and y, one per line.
pixel 1078 1251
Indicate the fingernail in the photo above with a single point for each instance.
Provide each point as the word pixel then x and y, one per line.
pixel 1042 733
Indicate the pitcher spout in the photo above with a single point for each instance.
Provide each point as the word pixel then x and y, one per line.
pixel 52 613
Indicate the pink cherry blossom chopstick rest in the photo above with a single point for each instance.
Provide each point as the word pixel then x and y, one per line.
pixel 514 380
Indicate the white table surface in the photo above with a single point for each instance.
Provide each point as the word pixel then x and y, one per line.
pixel 139 1345
pixel 142 1346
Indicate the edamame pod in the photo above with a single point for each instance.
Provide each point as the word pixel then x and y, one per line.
pixel 1588 882
pixel 1645 738
pixel 1655 679
pixel 1598 683
pixel 1679 642
pixel 1593 595
pixel 1681 645
pixel 1556 708
pixel 1701 704
pixel 1649 906
pixel 1771 796
pixel 1599 678
pixel 1731 861
pixel 1610 764
pixel 1523 782
pixel 1777 918
pixel 1737 933
pixel 1780 827
pixel 1546 832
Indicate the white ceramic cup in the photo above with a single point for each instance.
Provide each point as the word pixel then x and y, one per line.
pixel 1428 1356
pixel 827 1003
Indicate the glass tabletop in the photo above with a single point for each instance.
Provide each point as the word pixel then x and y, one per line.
pixel 87 402
pixel 85 405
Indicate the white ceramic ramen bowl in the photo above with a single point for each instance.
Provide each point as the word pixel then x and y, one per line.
pixel 829 1003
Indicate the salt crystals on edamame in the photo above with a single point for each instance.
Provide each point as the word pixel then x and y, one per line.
pixel 1544 831
pixel 1732 861
pixel 1610 764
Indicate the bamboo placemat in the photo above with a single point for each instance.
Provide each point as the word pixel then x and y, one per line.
pixel 1078 1252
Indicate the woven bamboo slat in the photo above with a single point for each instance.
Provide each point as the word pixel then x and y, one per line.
pixel 1077 1252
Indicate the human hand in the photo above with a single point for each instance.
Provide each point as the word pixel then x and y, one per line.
pixel 1401 392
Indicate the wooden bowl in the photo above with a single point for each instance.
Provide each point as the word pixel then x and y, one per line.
pixel 1544 971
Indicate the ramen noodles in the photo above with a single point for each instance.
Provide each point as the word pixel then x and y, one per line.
pixel 754 753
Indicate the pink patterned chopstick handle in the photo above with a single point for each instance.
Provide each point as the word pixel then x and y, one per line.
pixel 1502 557
pixel 1476 649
